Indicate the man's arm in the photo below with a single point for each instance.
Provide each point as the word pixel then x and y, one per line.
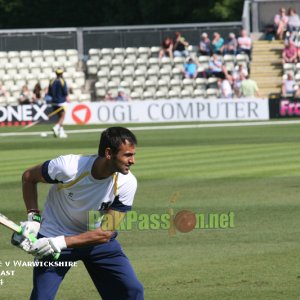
pixel 30 179
pixel 110 223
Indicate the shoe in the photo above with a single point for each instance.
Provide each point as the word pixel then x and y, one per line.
pixel 62 133
pixel 55 131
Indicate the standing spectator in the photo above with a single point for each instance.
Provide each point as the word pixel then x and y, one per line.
pixel 244 43
pixel 58 90
pixel 205 45
pixel 238 75
pixel 190 69
pixel 230 47
pixel 280 23
pixel 225 86
pixel 293 20
pixel 166 48
pixel 249 88
pixel 180 45
pixel 289 53
pixel 25 95
pixel 217 43
pixel 289 86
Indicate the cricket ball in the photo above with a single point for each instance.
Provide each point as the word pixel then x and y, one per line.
pixel 185 221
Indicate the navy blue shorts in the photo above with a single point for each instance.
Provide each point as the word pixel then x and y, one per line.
pixel 106 264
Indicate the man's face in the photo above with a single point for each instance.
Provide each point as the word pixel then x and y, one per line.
pixel 124 158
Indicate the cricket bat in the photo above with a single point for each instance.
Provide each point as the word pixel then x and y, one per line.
pixel 14 227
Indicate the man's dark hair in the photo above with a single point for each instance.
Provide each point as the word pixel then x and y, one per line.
pixel 113 138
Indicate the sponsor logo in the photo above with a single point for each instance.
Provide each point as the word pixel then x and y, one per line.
pixel 81 114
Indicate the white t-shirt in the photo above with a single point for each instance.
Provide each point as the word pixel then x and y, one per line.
pixel 75 192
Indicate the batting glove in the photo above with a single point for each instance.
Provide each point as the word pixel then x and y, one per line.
pixel 32 226
pixel 21 242
pixel 44 247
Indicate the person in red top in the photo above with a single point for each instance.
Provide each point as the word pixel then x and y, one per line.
pixel 289 53
pixel 166 48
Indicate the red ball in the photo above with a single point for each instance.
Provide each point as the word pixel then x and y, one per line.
pixel 185 221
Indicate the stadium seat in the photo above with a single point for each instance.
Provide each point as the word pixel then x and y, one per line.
pixel 165 73
pixel 117 64
pixel 201 83
pixel 204 61
pixel 127 75
pixel 49 56
pixel 37 56
pixel 11 69
pixel 25 57
pixel 212 82
pixel 137 86
pixel 175 84
pixel 163 85
pixel 129 63
pixel 161 95
pixel 85 98
pixel 136 96
pixel 289 68
pixel 79 78
pixel 143 52
pixel 150 85
pixel 46 68
pixel 188 84
pixel 3 58
pixel 154 51
pixel 19 80
pixel 173 94
pixel 148 95
pixel 186 94
pixel 152 74
pixel 106 53
pixel 43 80
pixel 142 63
pixel 179 61
pixel 115 76
pixel 94 54
pixel 34 68
pixel 153 61
pixel 140 75
pixel 119 53
pixel 212 93
pixel 131 52
pixel 13 57
pixel 177 72
pixel 199 93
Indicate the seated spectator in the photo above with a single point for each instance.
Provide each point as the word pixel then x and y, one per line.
pixel 249 87
pixel 289 53
pixel 230 47
pixel 166 48
pixel 3 91
pixel 25 95
pixel 122 96
pixel 37 94
pixel 281 23
pixel 244 43
pixel 289 86
pixel 225 87
pixel 215 66
pixel 293 20
pixel 109 97
pixel 180 45
pixel 190 69
pixel 205 45
pixel 217 43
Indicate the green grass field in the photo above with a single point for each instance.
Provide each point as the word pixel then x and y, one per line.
pixel 253 172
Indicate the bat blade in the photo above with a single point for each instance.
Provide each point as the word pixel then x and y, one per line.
pixel 10 224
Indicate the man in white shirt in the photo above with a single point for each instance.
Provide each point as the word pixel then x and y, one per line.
pixel 81 184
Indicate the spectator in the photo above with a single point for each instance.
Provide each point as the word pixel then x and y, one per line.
pixel 166 48
pixel 230 47
pixel 238 75
pixel 37 93
pixel 244 43
pixel 217 43
pixel 190 69
pixel 215 66
pixel 249 87
pixel 3 91
pixel 225 87
pixel 122 96
pixel 205 45
pixel 293 20
pixel 280 23
pixel 25 96
pixel 289 86
pixel 289 53
pixel 180 45
pixel 109 97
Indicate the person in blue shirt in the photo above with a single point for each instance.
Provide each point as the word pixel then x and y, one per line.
pixel 190 69
pixel 58 91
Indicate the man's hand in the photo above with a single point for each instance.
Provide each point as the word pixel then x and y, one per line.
pixel 44 247
pixel 32 226
pixel 21 242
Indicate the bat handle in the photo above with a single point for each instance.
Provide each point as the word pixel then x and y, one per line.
pixel 33 239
